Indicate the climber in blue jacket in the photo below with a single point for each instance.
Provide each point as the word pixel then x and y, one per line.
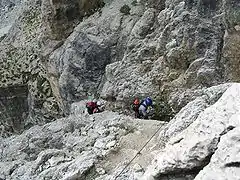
pixel 145 104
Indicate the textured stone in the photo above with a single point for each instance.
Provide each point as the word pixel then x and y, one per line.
pixel 189 113
pixel 9 11
pixel 88 50
pixel 111 144
pixel 68 50
pixel 178 52
pixel 32 31
pixel 224 163
pixel 59 150
pixel 13 109
pixel 192 149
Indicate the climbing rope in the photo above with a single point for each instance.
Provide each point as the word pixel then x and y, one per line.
pixel 139 152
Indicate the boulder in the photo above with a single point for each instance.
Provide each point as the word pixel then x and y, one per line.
pixel 191 150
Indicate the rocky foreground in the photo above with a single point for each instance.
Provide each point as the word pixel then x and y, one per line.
pixel 75 147
pixel 201 142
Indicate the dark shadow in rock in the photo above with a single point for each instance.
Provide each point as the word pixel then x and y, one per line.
pixel 233 164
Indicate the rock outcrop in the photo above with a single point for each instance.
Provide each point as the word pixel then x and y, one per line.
pixel 26 46
pixel 201 144
pixel 73 147
pixel 67 50
pixel 162 50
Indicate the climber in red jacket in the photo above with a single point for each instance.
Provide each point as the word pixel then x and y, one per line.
pixel 92 107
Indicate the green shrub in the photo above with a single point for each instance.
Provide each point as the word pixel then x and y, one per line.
pixel 162 110
pixel 134 3
pixel 125 9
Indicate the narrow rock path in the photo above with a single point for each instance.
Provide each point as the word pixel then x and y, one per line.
pixel 130 144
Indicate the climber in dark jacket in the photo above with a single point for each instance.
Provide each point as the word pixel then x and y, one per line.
pixel 145 104
pixel 92 107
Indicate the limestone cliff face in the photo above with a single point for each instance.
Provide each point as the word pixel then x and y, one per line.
pixel 65 51
pixel 158 50
pixel 19 59
pixel 60 17
pixel 9 11
pixel 25 47
pixel 231 40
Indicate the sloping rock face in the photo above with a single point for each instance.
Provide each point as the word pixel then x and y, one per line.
pixel 9 11
pixel 24 53
pixel 224 163
pixel 188 114
pixel 69 148
pixel 201 144
pixel 65 51
pixel 163 48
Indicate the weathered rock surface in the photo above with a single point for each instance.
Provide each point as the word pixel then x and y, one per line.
pixel 231 40
pixel 13 109
pixel 158 50
pixel 73 147
pixel 67 50
pixel 26 47
pixel 79 65
pixel 99 146
pixel 224 163
pixel 20 64
pixel 176 48
pixel 188 114
pixel 9 11
pixel 188 152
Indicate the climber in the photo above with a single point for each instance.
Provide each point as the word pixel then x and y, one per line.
pixel 94 107
pixel 143 108
pixel 100 106
pixel 135 106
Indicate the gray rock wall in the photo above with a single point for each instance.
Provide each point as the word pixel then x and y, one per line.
pixel 13 109
pixel 68 50
pixel 79 65
pixel 170 51
pixel 162 49
pixel 26 45
pixel 60 17
pixel 205 146
pixel 65 51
